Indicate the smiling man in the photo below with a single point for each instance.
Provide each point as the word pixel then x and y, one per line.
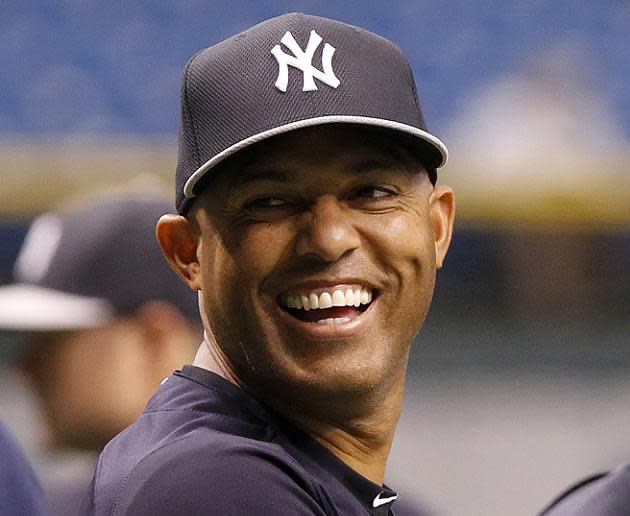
pixel 310 223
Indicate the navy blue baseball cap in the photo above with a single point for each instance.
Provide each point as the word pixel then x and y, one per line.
pixel 287 73
pixel 85 265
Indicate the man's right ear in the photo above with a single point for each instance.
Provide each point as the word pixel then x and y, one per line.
pixel 179 241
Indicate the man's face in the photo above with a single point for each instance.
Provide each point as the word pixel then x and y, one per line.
pixel 318 257
pixel 94 382
pixel 89 382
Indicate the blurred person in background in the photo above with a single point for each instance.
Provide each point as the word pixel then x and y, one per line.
pixel 102 320
pixel 20 492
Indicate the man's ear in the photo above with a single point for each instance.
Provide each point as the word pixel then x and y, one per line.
pixel 179 241
pixel 442 214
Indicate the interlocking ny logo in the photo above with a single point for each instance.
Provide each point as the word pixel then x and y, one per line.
pixel 303 60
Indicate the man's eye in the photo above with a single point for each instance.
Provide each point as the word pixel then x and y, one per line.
pixel 266 202
pixel 373 192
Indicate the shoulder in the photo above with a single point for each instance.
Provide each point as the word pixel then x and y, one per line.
pixel 20 492
pixel 600 495
pixel 228 476
pixel 11 454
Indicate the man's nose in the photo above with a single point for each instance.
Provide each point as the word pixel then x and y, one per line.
pixel 328 232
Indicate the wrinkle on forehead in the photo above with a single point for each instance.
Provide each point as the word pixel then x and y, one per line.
pixel 286 173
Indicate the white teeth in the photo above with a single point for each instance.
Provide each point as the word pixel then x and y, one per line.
pixel 336 320
pixel 325 300
pixel 311 301
pixel 338 298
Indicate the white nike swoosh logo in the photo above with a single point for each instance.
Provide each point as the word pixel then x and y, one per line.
pixel 378 501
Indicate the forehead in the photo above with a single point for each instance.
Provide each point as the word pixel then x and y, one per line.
pixel 338 147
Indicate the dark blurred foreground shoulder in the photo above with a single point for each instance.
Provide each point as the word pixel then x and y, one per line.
pixel 20 492
pixel 605 494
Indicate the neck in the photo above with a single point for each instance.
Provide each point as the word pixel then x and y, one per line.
pixel 208 358
pixel 361 439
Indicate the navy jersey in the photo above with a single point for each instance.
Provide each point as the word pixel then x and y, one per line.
pixel 600 495
pixel 20 492
pixel 204 446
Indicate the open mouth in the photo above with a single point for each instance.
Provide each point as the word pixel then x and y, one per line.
pixel 340 305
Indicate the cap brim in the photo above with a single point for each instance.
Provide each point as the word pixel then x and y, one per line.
pixel 26 307
pixel 434 145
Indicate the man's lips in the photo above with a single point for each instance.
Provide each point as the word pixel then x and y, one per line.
pixel 337 304
pixel 326 325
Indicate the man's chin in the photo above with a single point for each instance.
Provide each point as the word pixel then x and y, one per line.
pixel 341 374
pixel 339 395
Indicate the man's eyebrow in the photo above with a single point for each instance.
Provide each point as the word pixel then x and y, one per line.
pixel 250 172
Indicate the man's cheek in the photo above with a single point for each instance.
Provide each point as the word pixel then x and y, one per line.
pixel 409 255
pixel 259 257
